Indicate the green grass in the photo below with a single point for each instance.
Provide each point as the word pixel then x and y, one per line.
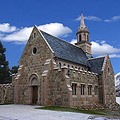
pixel 65 109
pixel 6 103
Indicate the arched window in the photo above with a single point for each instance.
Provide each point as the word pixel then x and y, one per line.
pixel 79 37
pixel 89 89
pixel 84 37
pixel 64 64
pixel 34 35
pixel 59 65
pixel 108 70
pixel 74 86
pixel 68 66
pixel 68 73
pixel 34 50
pixel 82 89
pixel 87 37
pixel 96 90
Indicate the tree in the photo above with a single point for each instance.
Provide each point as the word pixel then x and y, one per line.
pixel 14 70
pixel 4 69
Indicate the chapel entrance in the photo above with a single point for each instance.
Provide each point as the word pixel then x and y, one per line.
pixel 34 94
pixel 34 90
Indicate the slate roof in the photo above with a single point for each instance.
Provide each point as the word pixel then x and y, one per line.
pixel 66 51
pixel 96 64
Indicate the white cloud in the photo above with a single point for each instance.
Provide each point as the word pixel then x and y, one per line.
pixel 92 18
pixel 56 29
pixel 95 18
pixel 21 36
pixel 114 18
pixel 73 41
pixel 115 56
pixel 101 48
pixel 5 27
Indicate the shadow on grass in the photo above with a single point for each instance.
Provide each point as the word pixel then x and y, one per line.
pixel 65 109
pixel 106 113
pixel 6 103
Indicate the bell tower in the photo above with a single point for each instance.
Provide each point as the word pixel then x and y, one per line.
pixel 83 38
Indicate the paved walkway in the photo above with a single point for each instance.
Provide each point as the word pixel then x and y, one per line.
pixel 27 112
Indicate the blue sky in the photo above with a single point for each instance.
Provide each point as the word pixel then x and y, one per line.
pixel 61 18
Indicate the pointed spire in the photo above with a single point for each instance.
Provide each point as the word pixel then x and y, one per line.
pixel 82 25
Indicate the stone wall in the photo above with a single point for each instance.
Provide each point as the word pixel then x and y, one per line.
pixel 32 64
pixel 58 94
pixel 6 93
pixel 101 90
pixel 109 93
pixel 59 87
pixel 86 78
pixel 54 88
pixel 71 65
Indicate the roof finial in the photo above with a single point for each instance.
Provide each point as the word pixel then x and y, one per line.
pixel 82 25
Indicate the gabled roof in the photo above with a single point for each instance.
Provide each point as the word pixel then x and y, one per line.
pixel 96 64
pixel 66 51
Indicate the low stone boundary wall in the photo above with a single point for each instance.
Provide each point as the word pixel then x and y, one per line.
pixel 114 106
pixel 6 93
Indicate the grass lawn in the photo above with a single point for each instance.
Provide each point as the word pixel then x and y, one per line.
pixel 94 112
pixel 6 103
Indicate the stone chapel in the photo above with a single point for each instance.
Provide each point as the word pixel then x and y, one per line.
pixel 53 72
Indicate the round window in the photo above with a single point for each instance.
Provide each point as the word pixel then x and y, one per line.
pixel 34 50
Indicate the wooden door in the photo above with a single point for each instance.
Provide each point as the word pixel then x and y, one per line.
pixel 35 95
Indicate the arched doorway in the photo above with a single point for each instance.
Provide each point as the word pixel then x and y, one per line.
pixel 34 94
pixel 34 89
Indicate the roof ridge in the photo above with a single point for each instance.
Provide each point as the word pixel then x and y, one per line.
pixel 96 58
pixel 61 39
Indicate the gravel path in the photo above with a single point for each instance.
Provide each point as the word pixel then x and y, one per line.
pixel 27 112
